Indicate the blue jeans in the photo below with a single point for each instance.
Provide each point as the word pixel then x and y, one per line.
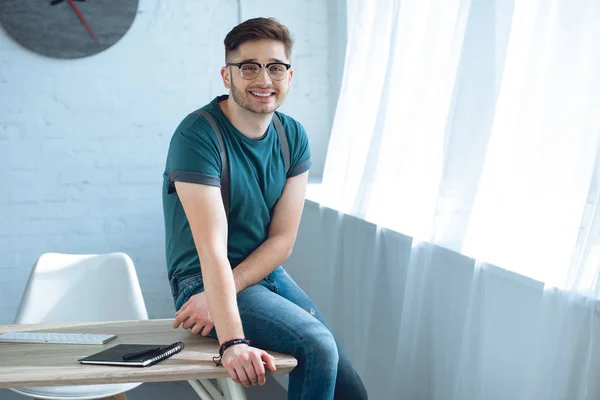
pixel 277 315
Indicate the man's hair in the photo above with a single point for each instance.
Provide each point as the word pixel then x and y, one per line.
pixel 258 29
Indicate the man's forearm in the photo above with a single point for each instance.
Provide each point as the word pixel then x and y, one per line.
pixel 221 298
pixel 261 262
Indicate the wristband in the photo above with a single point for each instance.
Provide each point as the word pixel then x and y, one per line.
pixel 227 345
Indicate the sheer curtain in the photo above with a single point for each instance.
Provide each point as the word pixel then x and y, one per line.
pixel 471 126
pixel 475 125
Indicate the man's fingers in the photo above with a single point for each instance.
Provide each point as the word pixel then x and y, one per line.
pixel 183 307
pixel 233 374
pixel 207 328
pixel 179 319
pixel 201 327
pixel 269 360
pixel 197 328
pixel 250 373
pixel 189 322
pixel 241 373
pixel 259 368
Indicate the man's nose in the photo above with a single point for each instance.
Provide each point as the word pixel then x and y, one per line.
pixel 263 76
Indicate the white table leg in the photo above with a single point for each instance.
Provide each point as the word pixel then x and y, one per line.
pixel 227 390
pixel 205 390
pixel 232 390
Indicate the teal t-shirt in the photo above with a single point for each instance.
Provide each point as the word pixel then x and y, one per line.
pixel 257 176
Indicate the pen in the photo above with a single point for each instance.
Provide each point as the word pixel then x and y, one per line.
pixel 131 356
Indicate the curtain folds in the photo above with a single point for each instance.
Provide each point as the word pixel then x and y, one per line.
pixel 470 127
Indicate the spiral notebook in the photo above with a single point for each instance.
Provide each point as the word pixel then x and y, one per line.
pixel 133 355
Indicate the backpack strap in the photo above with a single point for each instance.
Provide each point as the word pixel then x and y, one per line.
pixel 224 159
pixel 283 142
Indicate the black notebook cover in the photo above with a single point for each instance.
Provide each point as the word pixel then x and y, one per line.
pixel 115 355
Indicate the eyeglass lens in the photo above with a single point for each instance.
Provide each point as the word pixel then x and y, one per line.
pixel 275 71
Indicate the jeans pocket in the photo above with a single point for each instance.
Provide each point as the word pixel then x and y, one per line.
pixel 269 278
pixel 173 285
pixel 269 282
pixel 186 288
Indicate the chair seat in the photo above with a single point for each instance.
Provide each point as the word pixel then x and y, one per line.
pixel 83 392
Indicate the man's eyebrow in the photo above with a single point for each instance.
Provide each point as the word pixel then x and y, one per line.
pixel 277 60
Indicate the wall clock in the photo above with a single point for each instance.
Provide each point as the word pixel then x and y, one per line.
pixel 67 28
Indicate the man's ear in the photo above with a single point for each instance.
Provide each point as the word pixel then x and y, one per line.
pixel 226 77
pixel 290 76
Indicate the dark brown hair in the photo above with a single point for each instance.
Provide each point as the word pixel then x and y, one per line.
pixel 258 29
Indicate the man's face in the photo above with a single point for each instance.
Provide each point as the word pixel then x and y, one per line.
pixel 261 95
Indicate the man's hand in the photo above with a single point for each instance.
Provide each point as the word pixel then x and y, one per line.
pixel 195 313
pixel 245 364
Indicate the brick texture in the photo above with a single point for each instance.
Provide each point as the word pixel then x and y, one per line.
pixel 83 142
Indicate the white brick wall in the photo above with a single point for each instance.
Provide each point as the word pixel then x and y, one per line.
pixel 83 142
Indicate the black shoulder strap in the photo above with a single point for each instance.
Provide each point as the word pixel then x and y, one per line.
pixel 283 142
pixel 224 160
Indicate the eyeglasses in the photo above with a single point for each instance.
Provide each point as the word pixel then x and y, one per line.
pixel 250 69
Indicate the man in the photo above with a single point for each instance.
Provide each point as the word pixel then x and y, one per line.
pixel 225 264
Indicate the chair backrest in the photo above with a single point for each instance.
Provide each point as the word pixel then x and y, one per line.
pixel 82 288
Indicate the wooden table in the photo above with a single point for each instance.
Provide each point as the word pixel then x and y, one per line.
pixel 32 364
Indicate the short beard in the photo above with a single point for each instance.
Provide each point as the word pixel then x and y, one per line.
pixel 241 98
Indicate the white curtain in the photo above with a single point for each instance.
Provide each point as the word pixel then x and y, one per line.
pixel 472 126
pixel 475 125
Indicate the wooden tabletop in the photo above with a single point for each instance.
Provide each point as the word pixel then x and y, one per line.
pixel 34 364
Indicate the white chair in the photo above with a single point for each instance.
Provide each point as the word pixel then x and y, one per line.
pixel 81 288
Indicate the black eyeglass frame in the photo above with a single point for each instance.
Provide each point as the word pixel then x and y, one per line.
pixel 239 65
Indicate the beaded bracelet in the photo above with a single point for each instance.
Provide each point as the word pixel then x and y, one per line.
pixel 227 345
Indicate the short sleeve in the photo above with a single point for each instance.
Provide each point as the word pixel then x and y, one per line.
pixel 300 160
pixel 194 154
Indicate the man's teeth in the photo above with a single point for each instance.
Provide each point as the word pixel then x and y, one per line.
pixel 261 94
